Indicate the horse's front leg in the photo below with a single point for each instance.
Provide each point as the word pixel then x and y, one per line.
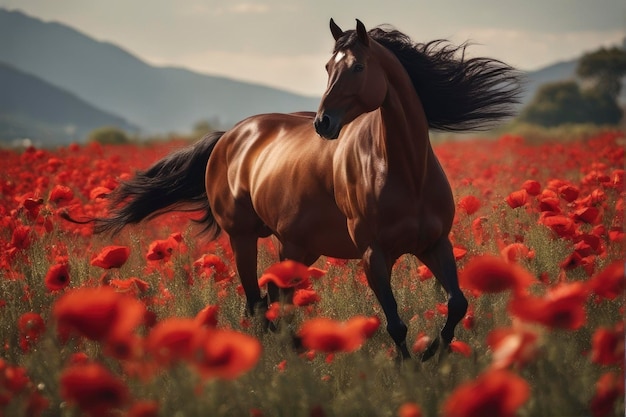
pixel 378 272
pixel 440 260
pixel 245 252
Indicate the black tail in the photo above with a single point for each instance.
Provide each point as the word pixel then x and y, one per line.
pixel 176 182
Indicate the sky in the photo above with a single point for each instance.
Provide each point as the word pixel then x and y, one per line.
pixel 285 44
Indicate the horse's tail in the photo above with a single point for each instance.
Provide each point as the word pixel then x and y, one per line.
pixel 176 182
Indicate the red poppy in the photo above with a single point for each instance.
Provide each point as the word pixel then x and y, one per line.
pixel 60 195
pixel 99 192
pixel 93 389
pixel 568 192
pixel 273 311
pixel 170 340
pixel 329 335
pixel 461 347
pixel 511 346
pixel 532 187
pixel 287 274
pixel 494 393
pixel 97 313
pixel 563 306
pixel 516 251
pixel 131 285
pixel 57 277
pixel 549 201
pixel 409 409
pixel 211 264
pixel 225 354
pixel 609 283
pixel 30 327
pixel 304 297
pixel 421 343
pixel 367 326
pixel 589 215
pixel 161 249
pixel 111 257
pixel 207 317
pixel 490 274
pixel 517 199
pixel 561 225
pixel 469 204
pixel 609 388
pixel 607 345
pixel 21 237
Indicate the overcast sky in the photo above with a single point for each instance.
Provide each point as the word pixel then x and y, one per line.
pixel 286 43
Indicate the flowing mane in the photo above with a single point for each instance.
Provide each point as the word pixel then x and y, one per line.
pixel 457 93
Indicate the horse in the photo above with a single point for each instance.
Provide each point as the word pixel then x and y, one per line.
pixel 358 179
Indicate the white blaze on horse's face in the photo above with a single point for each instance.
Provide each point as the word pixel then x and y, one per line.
pixel 339 56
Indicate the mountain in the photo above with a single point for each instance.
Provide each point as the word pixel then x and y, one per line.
pixel 157 99
pixel 33 108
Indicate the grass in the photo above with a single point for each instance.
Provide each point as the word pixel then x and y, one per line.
pixel 369 382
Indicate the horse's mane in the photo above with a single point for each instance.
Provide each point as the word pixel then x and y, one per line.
pixel 457 93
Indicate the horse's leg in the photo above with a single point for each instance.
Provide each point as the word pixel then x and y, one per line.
pixel 440 260
pixel 245 252
pixel 377 268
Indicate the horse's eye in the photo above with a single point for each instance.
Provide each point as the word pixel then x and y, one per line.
pixel 358 67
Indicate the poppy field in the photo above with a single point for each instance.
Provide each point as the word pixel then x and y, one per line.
pixel 152 322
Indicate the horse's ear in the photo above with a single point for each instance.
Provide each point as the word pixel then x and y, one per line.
pixel 362 33
pixel 335 30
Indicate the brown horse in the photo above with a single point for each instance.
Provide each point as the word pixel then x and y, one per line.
pixel 356 180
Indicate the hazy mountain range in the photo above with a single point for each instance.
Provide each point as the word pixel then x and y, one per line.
pixel 62 81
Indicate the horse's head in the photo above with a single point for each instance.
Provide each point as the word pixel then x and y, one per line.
pixel 356 81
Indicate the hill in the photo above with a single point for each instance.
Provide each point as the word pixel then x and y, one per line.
pixel 33 108
pixel 157 99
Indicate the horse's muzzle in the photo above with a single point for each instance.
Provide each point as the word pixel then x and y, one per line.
pixel 327 126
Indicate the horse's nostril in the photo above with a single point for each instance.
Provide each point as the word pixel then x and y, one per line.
pixel 322 124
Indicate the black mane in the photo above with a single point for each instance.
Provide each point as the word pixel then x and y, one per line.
pixel 457 93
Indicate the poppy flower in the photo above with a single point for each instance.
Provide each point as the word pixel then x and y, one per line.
pixel 563 226
pixel 30 327
pixel 421 343
pixel 305 297
pixel 21 237
pixel 97 313
pixel 225 354
pixel 210 264
pixel 57 277
pixel 517 199
pixel 516 251
pixel 207 317
pixel 286 274
pixel 478 230
pixel 143 409
pixel 490 274
pixel 131 285
pixel 532 187
pixel 469 204
pixel 511 346
pixel 93 389
pixel 461 347
pixel 273 311
pixel 493 393
pixel 409 409
pixel 330 336
pixel 161 249
pixel 99 192
pixel 111 257
pixel 589 215
pixel 607 345
pixel 609 388
pixel 562 306
pixel 171 340
pixel 609 283
pixel 549 201
pixel 60 195
pixel 367 326
pixel 568 192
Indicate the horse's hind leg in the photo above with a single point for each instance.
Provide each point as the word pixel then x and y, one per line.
pixel 245 252
pixel 440 260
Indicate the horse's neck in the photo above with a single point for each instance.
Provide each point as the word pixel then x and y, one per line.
pixel 405 127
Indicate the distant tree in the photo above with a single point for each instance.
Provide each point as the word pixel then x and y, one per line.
pixel 567 102
pixel 606 68
pixel 108 135
pixel 205 126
